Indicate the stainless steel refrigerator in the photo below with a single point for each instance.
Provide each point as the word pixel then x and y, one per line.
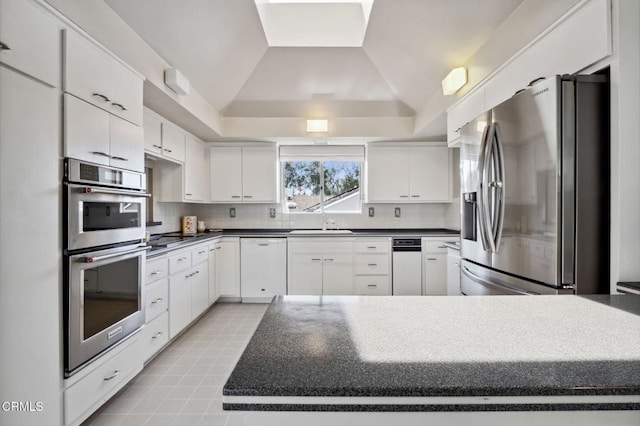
pixel 535 191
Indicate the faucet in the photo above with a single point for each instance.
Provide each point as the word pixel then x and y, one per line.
pixel 329 222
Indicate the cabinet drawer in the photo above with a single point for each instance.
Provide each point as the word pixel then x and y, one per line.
pixel 373 264
pixel 116 368
pixel 433 247
pixel 157 299
pixel 179 262
pixel 329 245
pixel 154 336
pixel 372 285
pixel 156 269
pixel 372 246
pixel 200 254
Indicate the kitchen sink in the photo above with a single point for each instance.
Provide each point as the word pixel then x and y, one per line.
pixel 320 231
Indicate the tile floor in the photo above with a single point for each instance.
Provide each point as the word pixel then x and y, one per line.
pixel 183 384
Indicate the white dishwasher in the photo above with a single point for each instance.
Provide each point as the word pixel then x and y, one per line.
pixel 263 269
pixel 407 267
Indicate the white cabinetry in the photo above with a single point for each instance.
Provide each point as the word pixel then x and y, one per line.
pixel 32 40
pixel 372 266
pixel 195 170
pixel 214 290
pixel 173 142
pixel 408 174
pixel 92 74
pixel 156 331
pixel 434 267
pixel 319 266
pixel 152 133
pixel 243 174
pixel 263 272
pixel 227 267
pixel 453 272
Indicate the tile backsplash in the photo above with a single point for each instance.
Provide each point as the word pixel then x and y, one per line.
pixel 446 215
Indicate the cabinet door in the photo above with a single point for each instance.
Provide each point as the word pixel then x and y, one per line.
pixel 429 174
pixel 387 174
pixel 152 134
pixel 453 273
pixel 86 131
pixel 194 170
pixel 172 143
pixel 259 179
pixel 226 174
pixel 34 39
pixel 337 274
pixel 126 144
pixel 213 289
pixel 179 302
pixel 228 268
pixel 199 289
pixel 305 274
pixel 434 278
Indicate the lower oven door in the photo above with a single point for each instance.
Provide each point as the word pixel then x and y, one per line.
pixel 99 216
pixel 104 301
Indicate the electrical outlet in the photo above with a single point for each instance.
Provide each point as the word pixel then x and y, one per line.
pixel 272 212
pixel 232 212
pixel 396 212
pixel 372 212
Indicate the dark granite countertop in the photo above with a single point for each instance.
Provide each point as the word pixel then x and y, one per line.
pixel 457 347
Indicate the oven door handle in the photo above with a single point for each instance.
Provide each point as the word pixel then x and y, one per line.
pixel 94 259
pixel 95 190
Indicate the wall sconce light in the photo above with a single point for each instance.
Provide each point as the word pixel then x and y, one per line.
pixel 454 81
pixel 315 126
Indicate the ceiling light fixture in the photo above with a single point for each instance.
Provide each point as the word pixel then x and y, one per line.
pixel 317 126
pixel 454 81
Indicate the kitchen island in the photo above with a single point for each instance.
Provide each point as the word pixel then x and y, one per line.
pixel 460 360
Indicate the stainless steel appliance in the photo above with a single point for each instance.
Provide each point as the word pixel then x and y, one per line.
pixel 104 259
pixel 534 191
pixel 407 267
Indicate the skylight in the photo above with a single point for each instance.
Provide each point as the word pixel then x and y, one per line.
pixel 314 23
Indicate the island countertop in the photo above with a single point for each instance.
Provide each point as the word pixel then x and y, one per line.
pixel 502 353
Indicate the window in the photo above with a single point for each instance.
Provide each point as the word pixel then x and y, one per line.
pixel 324 184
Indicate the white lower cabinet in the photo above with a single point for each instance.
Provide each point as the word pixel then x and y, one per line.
pixel 372 266
pixel 453 272
pixel 213 294
pixel 434 267
pixel 92 386
pixel 179 303
pixel 155 335
pixel 319 266
pixel 227 267
pixel 199 289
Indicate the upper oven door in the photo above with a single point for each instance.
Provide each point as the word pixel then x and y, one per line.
pixel 100 216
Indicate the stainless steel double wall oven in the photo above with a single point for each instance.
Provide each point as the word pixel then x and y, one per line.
pixel 104 258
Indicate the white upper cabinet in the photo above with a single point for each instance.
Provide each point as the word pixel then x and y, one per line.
pixel 195 170
pixel 173 142
pixel 94 135
pixel 91 74
pixel 162 138
pixel 152 134
pixel 243 174
pixel 409 174
pixel 31 37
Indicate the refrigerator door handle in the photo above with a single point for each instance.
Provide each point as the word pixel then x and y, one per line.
pixel 484 210
pixel 504 289
pixel 499 187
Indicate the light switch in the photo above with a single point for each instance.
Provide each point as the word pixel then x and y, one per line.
pixel 272 212
pixel 397 212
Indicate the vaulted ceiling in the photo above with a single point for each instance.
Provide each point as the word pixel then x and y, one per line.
pixel 409 46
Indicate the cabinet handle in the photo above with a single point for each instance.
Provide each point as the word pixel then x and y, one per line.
pixel 315 259
pixel 189 194
pixel 404 196
pixel 188 276
pixel 372 285
pixel 372 247
pixel 202 252
pixel 167 150
pixel 115 373
pixel 248 196
pixel 415 196
pixel 158 334
pixel 431 258
pixel 101 96
pixel 329 260
pixel 4 46
pixel 442 246
pixel 181 259
pixel 196 272
pixel 101 154
pixel 372 264
pixel 156 272
pixel 159 299
pixel 156 146
pixel 236 196
pixel 120 158
pixel 122 107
